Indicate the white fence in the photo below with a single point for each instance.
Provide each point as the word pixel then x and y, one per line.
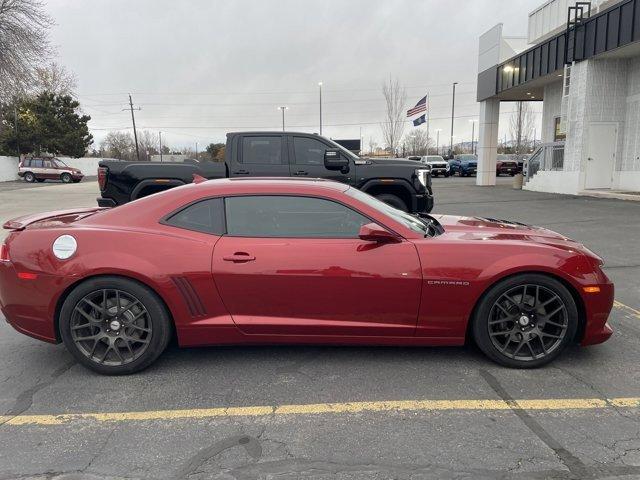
pixel 87 165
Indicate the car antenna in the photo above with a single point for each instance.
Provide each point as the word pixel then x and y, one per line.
pixel 198 178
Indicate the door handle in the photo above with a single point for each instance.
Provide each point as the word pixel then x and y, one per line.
pixel 241 172
pixel 239 257
pixel 301 172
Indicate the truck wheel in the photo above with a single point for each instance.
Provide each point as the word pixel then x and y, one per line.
pixel 394 201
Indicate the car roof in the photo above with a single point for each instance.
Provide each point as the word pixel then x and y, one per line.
pixel 238 185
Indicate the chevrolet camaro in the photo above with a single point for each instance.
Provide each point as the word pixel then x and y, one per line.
pixel 283 261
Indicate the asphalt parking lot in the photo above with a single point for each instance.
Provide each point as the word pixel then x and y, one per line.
pixel 347 413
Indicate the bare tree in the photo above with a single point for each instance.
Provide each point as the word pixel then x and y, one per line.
pixel 119 145
pixel 372 145
pixel 54 78
pixel 395 97
pixel 149 144
pixel 23 44
pixel 417 142
pixel 521 125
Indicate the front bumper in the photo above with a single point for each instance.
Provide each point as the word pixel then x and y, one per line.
pixel 597 309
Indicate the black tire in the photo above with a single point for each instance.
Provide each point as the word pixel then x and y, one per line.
pixel 446 175
pixel 147 346
pixel 489 333
pixel 66 178
pixel 393 200
pixel 29 177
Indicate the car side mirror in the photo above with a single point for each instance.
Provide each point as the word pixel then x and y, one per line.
pixel 372 232
pixel 333 160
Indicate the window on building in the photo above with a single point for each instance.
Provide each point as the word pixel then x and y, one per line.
pixel 558 134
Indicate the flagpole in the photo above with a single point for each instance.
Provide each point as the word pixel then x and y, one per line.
pixel 428 115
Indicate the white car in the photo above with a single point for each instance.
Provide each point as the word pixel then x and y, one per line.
pixel 439 166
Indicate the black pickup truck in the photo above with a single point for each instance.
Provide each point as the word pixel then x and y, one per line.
pixel 403 184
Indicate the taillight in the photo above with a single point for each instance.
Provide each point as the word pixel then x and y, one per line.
pixel 4 253
pixel 102 177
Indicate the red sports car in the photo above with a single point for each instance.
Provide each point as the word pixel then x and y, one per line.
pixel 266 261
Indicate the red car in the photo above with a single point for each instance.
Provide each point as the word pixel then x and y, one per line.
pixel 267 261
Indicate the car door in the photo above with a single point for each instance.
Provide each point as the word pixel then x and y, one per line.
pixel 48 170
pixel 294 265
pixel 261 155
pixel 307 160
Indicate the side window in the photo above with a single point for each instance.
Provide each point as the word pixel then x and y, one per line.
pixel 36 163
pixel 290 216
pixel 46 164
pixel 205 216
pixel 308 151
pixel 26 163
pixel 262 150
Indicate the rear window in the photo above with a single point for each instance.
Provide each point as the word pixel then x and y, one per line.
pixel 205 216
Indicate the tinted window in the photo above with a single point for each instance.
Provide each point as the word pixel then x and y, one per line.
pixel 46 163
pixel 205 216
pixel 291 216
pixel 36 163
pixel 262 150
pixel 309 151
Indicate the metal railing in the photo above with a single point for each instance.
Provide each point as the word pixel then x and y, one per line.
pixel 549 156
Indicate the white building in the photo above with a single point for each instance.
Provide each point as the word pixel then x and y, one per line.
pixel 587 74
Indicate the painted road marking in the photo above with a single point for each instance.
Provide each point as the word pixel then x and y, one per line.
pixel 627 309
pixel 326 408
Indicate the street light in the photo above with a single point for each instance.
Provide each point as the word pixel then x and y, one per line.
pixel 283 109
pixel 320 91
pixel 473 134
pixel 438 130
pixel 453 109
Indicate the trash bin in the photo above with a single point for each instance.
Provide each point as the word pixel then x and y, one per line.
pixel 517 181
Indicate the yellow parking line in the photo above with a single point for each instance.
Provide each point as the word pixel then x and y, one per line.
pixel 627 309
pixel 327 408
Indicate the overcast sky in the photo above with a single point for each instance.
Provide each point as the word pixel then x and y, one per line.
pixel 199 69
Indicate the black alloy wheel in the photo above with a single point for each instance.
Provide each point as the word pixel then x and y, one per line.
pixel 525 321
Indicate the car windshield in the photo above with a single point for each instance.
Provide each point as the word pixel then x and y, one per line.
pixel 466 158
pixel 409 221
pixel 58 163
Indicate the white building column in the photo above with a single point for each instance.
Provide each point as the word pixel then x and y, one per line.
pixel 488 141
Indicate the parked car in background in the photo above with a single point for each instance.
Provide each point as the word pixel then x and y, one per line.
pixel 439 165
pixel 506 165
pixel 415 158
pixel 464 165
pixel 49 168
pixel 294 261
pixel 401 183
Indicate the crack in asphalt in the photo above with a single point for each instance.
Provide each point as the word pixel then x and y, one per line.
pixel 251 445
pixel 25 399
pixel 574 464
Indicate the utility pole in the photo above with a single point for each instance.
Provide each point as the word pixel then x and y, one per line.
pixel 160 137
pixel 519 129
pixel 15 120
pixel 453 110
pixel 438 130
pixel 473 135
pixel 283 109
pixel 133 120
pixel 196 150
pixel 320 87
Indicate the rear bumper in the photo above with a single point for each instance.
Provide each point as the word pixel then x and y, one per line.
pixel 106 202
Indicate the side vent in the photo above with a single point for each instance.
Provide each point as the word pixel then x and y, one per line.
pixel 190 296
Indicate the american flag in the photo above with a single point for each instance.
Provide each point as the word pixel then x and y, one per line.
pixel 420 107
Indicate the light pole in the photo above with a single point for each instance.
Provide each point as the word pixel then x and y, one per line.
pixel 453 109
pixel 473 134
pixel 438 130
pixel 160 137
pixel 283 109
pixel 320 91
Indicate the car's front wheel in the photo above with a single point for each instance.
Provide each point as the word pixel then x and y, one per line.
pixel 525 321
pixel 114 325
pixel 66 178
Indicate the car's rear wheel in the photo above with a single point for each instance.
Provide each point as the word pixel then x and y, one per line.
pixel 114 325
pixel 29 177
pixel 525 321
pixel 393 200
pixel 66 178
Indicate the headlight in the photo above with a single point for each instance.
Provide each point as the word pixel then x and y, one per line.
pixel 423 176
pixel 64 247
